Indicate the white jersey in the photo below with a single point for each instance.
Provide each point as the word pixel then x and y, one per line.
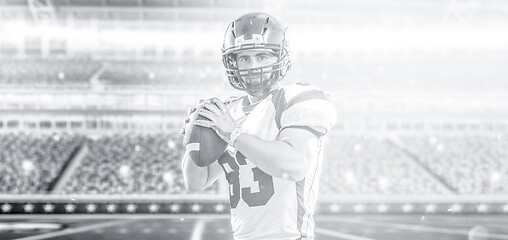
pixel 266 207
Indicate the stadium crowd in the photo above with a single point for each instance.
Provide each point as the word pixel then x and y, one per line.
pixel 47 72
pixel 135 163
pixel 357 72
pixel 31 162
pixel 131 163
pixel 162 73
pixel 469 164
pixel 356 164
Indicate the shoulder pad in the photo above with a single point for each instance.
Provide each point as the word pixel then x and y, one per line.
pixel 307 105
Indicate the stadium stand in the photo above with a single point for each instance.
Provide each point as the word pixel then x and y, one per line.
pixel 131 163
pixel 356 164
pixel 31 162
pixel 395 73
pixel 26 73
pixel 135 163
pixel 470 163
pixel 172 73
pixel 78 73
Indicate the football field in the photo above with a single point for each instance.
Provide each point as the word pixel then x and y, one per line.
pixel 211 227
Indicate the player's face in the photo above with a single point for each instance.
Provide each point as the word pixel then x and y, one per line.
pixel 255 59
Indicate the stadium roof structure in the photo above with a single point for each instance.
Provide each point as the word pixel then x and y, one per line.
pixel 317 11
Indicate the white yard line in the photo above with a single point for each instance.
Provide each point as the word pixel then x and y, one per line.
pixel 197 232
pixel 75 230
pixel 113 216
pixel 340 234
pixel 413 227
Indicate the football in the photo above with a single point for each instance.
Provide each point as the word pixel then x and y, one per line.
pixel 211 146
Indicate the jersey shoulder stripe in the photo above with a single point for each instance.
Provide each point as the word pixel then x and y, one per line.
pixel 306 96
pixel 279 103
pixel 295 89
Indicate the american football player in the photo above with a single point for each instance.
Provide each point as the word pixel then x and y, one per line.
pixel 275 135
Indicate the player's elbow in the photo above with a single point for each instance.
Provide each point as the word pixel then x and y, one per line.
pixel 300 174
pixel 194 186
pixel 194 177
pixel 194 182
pixel 298 170
pixel 296 175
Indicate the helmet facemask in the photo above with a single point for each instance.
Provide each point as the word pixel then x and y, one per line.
pixel 243 79
pixel 251 32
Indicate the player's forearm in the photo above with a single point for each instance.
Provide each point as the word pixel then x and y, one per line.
pixel 277 158
pixel 194 176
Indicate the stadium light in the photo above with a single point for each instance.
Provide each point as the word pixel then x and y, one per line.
pixel 383 183
pixel 407 208
pixel 499 137
pixel 382 208
pixel 430 208
pixel 70 208
pixel 440 147
pixel 350 176
pixel 168 178
pixel 124 171
pixel 171 144
pixel 482 208
pixel 455 208
pixel 358 147
pixel 28 166
pixel 91 208
pixel 219 207
pixel 505 208
pixel 196 208
pixel 61 76
pixel 335 208
pixel 6 207
pixel 175 207
pixel 131 208
pixel 111 208
pixel 495 177
pixel 432 140
pixel 28 207
pixel 16 29
pixel 48 207
pixel 359 208
pixel 153 208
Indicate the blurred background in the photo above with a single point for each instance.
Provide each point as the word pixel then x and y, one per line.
pixel 93 94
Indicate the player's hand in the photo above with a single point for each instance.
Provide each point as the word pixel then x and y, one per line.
pixel 218 117
pixel 186 129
